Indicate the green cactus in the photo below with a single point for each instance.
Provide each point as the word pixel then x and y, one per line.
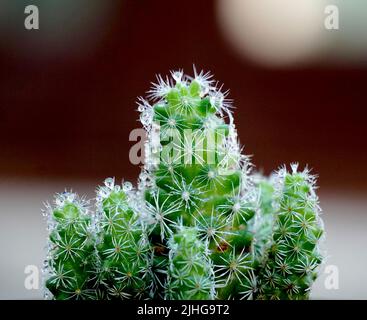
pixel 107 255
pixel 71 249
pixel 190 273
pixel 289 271
pixel 200 225
pixel 123 248
pixel 199 173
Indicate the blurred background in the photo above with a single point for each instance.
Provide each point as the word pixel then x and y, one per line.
pixel 68 92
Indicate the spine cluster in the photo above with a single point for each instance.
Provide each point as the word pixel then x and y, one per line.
pixel 200 225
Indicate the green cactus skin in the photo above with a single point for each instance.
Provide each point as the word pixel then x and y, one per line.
pixel 71 249
pixel 263 225
pixel 190 273
pixel 294 255
pixel 123 247
pixel 200 225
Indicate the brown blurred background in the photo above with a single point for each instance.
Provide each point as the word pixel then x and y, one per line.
pixel 67 110
pixel 68 92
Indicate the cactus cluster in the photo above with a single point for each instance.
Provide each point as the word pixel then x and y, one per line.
pixel 104 255
pixel 200 224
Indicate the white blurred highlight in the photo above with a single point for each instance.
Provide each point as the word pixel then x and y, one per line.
pixel 276 32
pixel 282 33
